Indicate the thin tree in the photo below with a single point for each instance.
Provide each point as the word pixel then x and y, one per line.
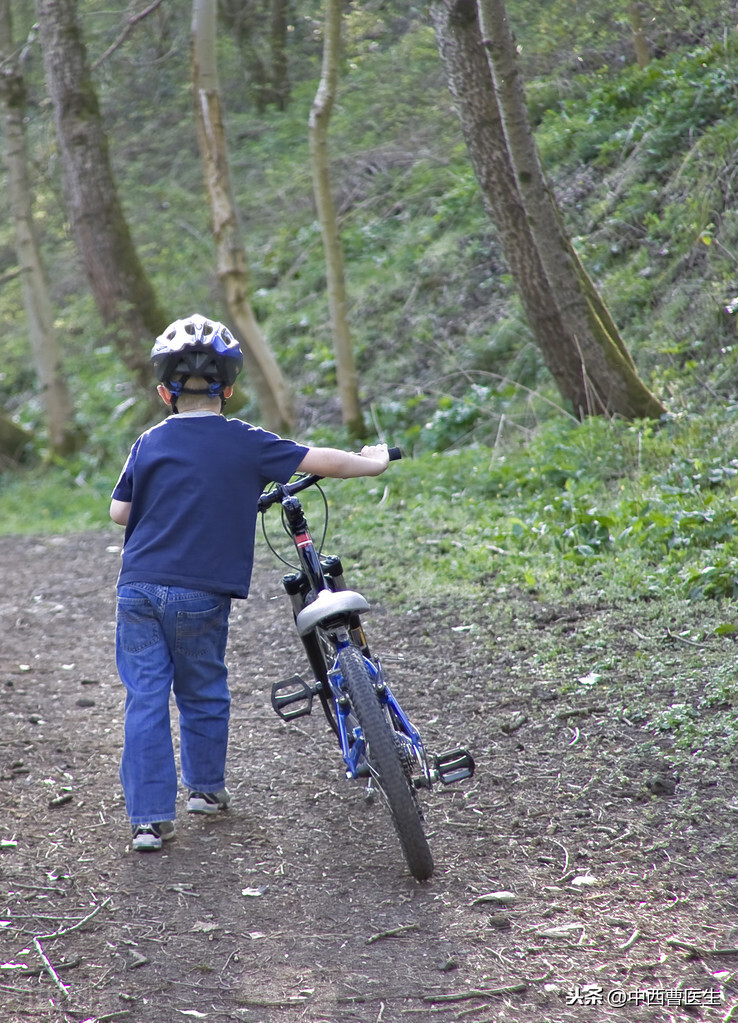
pixel 45 347
pixel 580 343
pixel 270 387
pixel 122 290
pixel 259 29
pixel 278 49
pixel 640 43
pixel 320 113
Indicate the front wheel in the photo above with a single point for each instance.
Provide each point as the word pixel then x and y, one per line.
pixel 385 762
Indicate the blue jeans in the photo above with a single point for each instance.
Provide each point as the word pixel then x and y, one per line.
pixel 169 638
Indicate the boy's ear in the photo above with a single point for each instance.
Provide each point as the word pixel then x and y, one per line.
pixel 165 394
pixel 227 392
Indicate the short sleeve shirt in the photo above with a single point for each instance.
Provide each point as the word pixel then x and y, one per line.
pixel 193 483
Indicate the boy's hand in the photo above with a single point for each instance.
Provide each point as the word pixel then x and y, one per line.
pixel 378 453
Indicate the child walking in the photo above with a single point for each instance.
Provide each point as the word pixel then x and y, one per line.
pixel 187 496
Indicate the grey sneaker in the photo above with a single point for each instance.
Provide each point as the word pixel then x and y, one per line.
pixel 149 837
pixel 208 802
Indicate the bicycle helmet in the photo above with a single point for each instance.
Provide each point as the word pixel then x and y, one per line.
pixel 197 347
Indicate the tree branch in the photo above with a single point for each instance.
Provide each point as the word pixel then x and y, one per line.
pixel 130 25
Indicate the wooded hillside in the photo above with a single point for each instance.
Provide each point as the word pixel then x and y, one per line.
pixel 642 160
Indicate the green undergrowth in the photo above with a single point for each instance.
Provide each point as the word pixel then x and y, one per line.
pixel 639 510
pixel 611 509
pixel 605 509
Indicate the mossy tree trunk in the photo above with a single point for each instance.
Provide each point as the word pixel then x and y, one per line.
pixel 259 28
pixel 269 386
pixel 574 330
pixel 121 288
pixel 45 348
pixel 320 114
pixel 640 43
pixel 278 18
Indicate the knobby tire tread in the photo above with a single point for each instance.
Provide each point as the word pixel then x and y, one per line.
pixel 386 763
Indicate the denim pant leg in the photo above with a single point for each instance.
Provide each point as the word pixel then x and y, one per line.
pixel 198 632
pixel 147 771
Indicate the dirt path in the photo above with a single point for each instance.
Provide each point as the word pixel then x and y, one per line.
pixel 295 905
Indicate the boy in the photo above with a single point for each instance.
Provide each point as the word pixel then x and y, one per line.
pixel 188 499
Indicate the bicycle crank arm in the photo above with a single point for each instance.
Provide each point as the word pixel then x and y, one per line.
pixel 453 765
pixel 293 698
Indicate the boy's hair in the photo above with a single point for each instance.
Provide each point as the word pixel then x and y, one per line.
pixel 200 348
pixel 188 402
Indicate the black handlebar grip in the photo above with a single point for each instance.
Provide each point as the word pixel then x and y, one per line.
pixel 394 454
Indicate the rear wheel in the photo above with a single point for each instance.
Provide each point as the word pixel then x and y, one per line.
pixel 385 762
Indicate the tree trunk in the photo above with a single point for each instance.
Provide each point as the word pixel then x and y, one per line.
pixel 320 113
pixel 121 288
pixel 259 29
pixel 467 73
pixel 278 49
pixel 590 365
pixel 612 382
pixel 14 442
pixel 45 349
pixel 269 386
pixel 640 43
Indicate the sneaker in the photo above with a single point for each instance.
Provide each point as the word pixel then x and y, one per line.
pixel 149 837
pixel 208 802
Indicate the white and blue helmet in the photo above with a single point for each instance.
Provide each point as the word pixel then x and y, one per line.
pixel 197 347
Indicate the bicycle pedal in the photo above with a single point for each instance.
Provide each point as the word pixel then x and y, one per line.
pixel 292 698
pixel 454 765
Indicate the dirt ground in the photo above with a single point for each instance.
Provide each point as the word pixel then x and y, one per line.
pixel 575 879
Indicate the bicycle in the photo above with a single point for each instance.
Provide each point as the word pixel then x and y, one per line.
pixel 378 742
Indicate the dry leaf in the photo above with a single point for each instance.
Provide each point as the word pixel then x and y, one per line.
pixel 498 898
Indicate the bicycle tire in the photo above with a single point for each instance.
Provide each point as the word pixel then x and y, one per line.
pixel 385 763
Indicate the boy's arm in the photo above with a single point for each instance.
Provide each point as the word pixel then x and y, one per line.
pixel 344 465
pixel 119 511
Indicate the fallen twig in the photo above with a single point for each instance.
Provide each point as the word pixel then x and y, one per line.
pixel 577 712
pixel 35 971
pixel 478 992
pixel 391 933
pixel 265 1003
pixel 698 950
pixel 18 990
pixel 74 927
pixel 681 639
pixel 566 858
pixel 50 969
pixel 631 940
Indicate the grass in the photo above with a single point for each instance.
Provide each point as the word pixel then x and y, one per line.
pixel 53 500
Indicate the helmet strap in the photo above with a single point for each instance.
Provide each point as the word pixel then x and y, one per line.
pixel 214 389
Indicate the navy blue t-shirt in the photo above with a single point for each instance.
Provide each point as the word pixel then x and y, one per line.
pixel 193 483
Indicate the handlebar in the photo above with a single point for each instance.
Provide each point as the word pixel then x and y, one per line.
pixel 270 497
